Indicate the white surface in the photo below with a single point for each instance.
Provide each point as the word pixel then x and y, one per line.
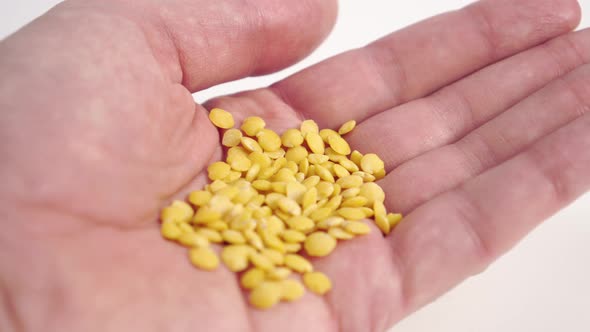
pixel 542 285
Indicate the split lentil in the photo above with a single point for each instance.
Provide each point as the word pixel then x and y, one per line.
pixel 275 197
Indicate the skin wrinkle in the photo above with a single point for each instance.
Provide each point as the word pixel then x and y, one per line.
pixel 9 315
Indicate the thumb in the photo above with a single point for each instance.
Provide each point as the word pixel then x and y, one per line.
pixel 207 42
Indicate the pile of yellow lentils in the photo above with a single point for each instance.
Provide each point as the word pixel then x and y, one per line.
pixel 276 200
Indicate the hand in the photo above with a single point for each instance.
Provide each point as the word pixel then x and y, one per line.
pixel 484 134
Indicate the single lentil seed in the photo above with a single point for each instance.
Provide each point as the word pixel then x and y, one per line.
pixel 252 278
pixel 309 126
pixel 266 295
pixel 393 219
pixel 357 228
pixel 315 143
pixel 339 145
pixel 298 263
pixel 232 137
pixel 221 118
pixel 347 127
pixel 351 213
pixel 250 144
pixel 170 230
pixel 204 258
pixel 291 290
pixel 319 244
pixel 193 240
pixel 326 133
pixel 261 261
pixel 278 273
pixel 252 125
pixel 268 140
pixel 371 163
pixel 340 234
pixel 292 138
pixel 317 282
pixel 235 257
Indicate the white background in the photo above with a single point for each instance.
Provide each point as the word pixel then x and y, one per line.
pixel 542 285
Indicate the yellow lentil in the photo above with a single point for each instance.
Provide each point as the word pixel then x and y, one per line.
pixel 276 257
pixel 261 261
pixel 276 154
pixel 319 244
pixel 250 144
pixel 291 290
pixel 231 138
pixel 278 273
pixel 315 158
pixel 268 140
pixel 309 126
pixel 329 222
pixel 324 174
pixel 266 295
pixel 235 257
pixel 349 165
pixel 292 138
pixel 317 282
pixel 260 158
pixel 211 235
pixel 372 192
pixel 204 258
pixel 304 167
pixel 252 172
pixel 221 118
pixel 315 143
pixel 252 278
pixel 326 133
pixel 350 181
pixel 205 215
pixel 300 223
pixel 293 236
pixel 233 236
pixel 252 125
pixel 298 263
pixel 371 163
pixel 356 157
pixel 338 144
pixel 309 198
pixel 178 211
pixel 382 223
pixel 351 192
pixel 170 230
pixel 357 201
pixel 347 127
pixel 253 239
pixel 292 247
pixel 340 234
pixel 193 240
pixel 357 228
pixel 351 213
pixel 340 171
pixel 393 219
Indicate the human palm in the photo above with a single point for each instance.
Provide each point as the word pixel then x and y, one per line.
pixel 483 132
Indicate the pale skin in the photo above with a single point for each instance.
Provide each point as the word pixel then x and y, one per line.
pixel 480 115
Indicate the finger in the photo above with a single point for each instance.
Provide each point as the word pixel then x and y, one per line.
pixel 203 43
pixel 420 59
pixel 460 232
pixel 454 111
pixel 547 110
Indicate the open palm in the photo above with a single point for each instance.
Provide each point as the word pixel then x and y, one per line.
pixel 479 117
